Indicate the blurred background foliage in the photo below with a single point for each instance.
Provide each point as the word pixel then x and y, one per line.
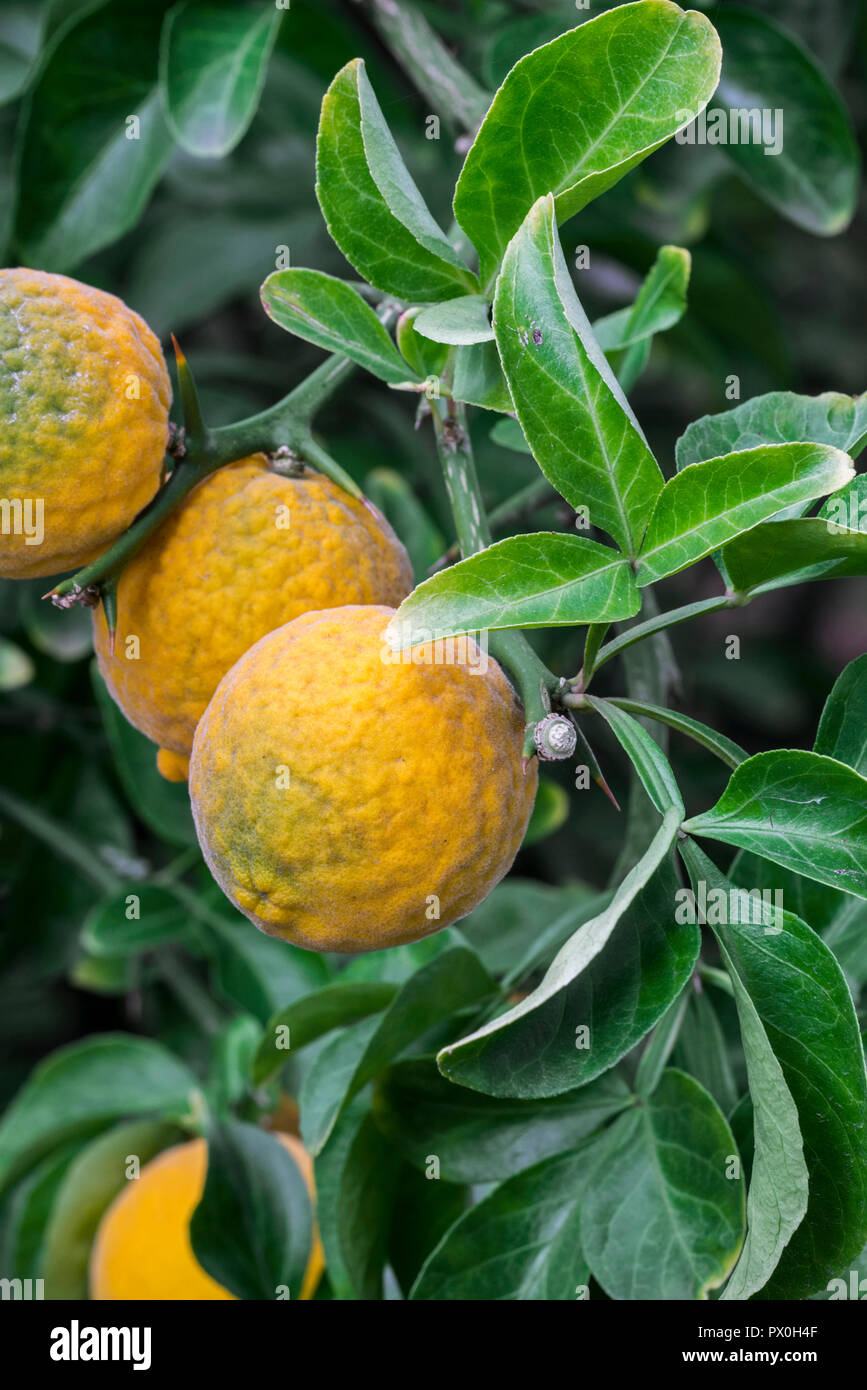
pixel 185 222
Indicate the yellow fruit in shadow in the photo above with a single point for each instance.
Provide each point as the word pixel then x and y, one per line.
pixel 247 551
pixel 84 396
pixel 348 801
pixel 142 1248
pixel 173 766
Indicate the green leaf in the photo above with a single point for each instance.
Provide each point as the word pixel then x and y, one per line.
pixel 373 210
pixel 397 964
pixel 561 122
pixel 779 1182
pixel 163 806
pixel 846 510
pixel 660 304
pixel 333 1006
pixel 476 377
pixel 252 1229
pixel 576 419
pixel 509 435
pixel 799 994
pixel 85 173
pixel 709 503
pixel 19 47
pixel 850 1283
pixel 259 973
pixel 726 749
pixel 331 314
pixel 458 321
pixel 426 358
pixel 454 978
pixel 702 1050
pixel 28 29
pixel 90 1183
pixel 662 1219
pixel 815 903
pixel 515 917
pixel 421 1214
pixel 550 811
pixel 605 989
pixel 355 1177
pixel 213 62
pixel 539 580
pixel 522 1242
pixel 26 1212
pixel 831 545
pixel 842 732
pixel 781 417
pixel 846 936
pixel 233 1049
pixel 85 1085
pixel 645 754
pixel 103 974
pixel 813 177
pixel 479 1138
pixel 16 667
pixel 140 919
pixel 790 552
pixel 802 810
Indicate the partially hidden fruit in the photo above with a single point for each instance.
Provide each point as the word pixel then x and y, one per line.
pixel 142 1248
pixel 84 397
pixel 348 798
pixel 247 551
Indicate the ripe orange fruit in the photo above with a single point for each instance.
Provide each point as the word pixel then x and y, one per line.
pixel 248 550
pixel 85 396
pixel 142 1248
pixel 348 801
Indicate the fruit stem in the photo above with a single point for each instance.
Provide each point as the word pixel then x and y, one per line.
pixel 284 425
pixel 515 509
pixel 534 682
pixel 422 54
pixel 184 478
pixel 592 643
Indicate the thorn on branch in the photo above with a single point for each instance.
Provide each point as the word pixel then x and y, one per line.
pixel 109 608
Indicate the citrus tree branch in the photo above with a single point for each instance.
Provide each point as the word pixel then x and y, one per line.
pixel 284 427
pixel 534 682
pixel 515 509
pixel 439 77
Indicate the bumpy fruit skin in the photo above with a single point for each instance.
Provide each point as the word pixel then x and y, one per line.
pixel 84 399
pixel 247 551
pixel 341 799
pixel 142 1248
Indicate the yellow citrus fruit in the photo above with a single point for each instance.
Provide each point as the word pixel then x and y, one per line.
pixel 347 799
pixel 173 766
pixel 248 550
pixel 142 1248
pixel 84 396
